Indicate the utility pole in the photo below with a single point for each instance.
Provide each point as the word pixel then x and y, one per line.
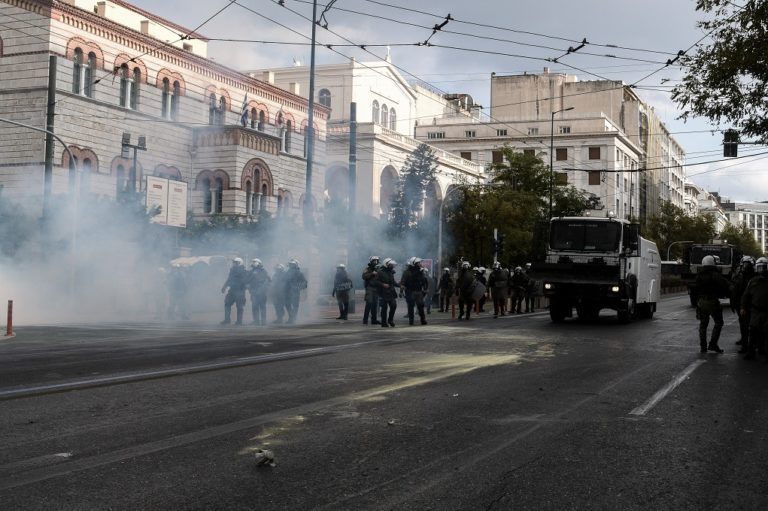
pixel 49 141
pixel 352 194
pixel 308 219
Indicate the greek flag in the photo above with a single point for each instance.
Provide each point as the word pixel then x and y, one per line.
pixel 244 112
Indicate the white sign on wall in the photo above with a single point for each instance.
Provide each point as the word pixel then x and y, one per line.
pixel 170 197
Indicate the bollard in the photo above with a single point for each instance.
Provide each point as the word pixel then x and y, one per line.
pixel 9 325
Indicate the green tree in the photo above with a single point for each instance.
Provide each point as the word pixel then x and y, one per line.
pixel 671 225
pixel 742 238
pixel 417 172
pixel 726 78
pixel 516 206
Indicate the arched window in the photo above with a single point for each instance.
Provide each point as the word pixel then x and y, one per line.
pixel 219 195
pixel 384 115
pixel 392 119
pixel 119 181
pixel 207 196
pixel 165 108
pixel 88 74
pixel 264 193
pixel 77 72
pixel 212 109
pixel 129 87
pixel 324 97
pixel 175 100
pixel 254 118
pixel 222 109
pixel 387 183
pixel 260 127
pixel 288 128
pixel 85 175
pixel 82 73
pixel 248 198
pixel 375 112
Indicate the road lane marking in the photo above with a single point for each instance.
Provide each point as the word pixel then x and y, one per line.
pixel 666 389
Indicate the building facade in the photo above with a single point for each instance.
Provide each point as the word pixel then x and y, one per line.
pixel 752 214
pixel 235 140
pixel 387 110
pixel 602 138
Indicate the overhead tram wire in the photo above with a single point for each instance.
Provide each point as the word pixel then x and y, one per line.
pixel 485 37
pixel 525 32
pixel 536 142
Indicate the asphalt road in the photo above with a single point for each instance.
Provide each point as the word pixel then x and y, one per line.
pixel 514 413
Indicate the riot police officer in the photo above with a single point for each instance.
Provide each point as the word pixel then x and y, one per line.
pixel 342 285
pixel 498 281
pixel 465 287
pixel 277 293
pixel 414 285
pixel 445 288
pixel 235 285
pixel 371 291
pixel 738 286
pixel 754 303
pixel 712 286
pixel 258 285
pixel 387 286
pixel 295 283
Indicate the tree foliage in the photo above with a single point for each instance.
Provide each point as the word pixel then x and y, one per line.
pixel 407 201
pixel 672 225
pixel 515 207
pixel 727 76
pixel 742 238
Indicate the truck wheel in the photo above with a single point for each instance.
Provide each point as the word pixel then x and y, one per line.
pixel 626 315
pixel 644 310
pixel 557 312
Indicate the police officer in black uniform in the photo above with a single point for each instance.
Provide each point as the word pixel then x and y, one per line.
pixel 387 286
pixel 711 286
pixel 235 286
pixel 371 291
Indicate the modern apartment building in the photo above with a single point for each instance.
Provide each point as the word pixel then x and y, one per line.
pixel 754 215
pixel 602 138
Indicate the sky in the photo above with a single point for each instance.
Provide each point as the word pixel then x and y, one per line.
pixel 626 40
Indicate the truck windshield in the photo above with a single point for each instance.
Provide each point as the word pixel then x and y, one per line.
pixel 588 236
pixel 699 251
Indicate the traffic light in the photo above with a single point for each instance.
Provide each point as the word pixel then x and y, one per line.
pixel 500 245
pixel 731 144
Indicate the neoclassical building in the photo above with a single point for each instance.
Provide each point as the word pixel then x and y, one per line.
pixel 388 109
pixel 119 71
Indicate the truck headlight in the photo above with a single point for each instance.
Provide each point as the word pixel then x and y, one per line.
pixel 548 285
pixel 615 289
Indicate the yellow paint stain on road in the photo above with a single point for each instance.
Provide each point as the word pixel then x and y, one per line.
pixel 415 372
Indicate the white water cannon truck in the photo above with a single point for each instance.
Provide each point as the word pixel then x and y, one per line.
pixel 595 263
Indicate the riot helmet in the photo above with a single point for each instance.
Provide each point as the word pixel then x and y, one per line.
pixel 761 266
pixel 708 260
pixel 256 263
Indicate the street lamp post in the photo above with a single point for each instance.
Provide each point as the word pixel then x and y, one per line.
pixel 675 243
pixel 552 150
pixel 440 216
pixel 140 146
